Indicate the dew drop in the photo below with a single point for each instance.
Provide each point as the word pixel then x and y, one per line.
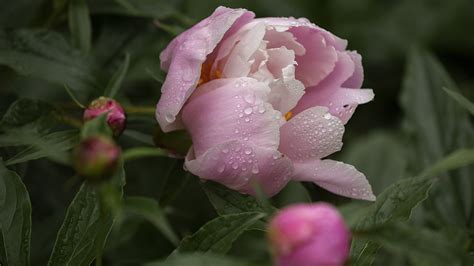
pixel 235 165
pixel 255 169
pixel 249 98
pixel 221 168
pixel 327 116
pixel 225 150
pixel 169 117
pixel 248 110
pixel 247 151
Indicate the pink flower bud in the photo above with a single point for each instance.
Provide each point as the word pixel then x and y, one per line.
pixel 309 235
pixel 96 157
pixel 116 115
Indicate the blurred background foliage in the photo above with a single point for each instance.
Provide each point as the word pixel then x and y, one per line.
pixel 411 49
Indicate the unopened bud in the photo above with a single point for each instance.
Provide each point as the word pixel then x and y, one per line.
pixel 309 235
pixel 116 118
pixel 96 158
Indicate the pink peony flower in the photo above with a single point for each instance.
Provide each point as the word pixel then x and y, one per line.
pixel 116 118
pixel 309 235
pixel 264 100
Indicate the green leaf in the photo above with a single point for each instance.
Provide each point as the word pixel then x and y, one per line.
pixel 15 219
pixel 139 8
pixel 47 55
pixel 381 156
pixel 86 226
pixel 227 201
pixel 438 126
pixel 150 210
pixel 116 81
pixel 80 25
pixel 432 247
pixel 27 123
pixel 463 101
pixel 95 127
pixel 198 259
pixel 397 202
pixel 25 112
pixel 54 146
pixel 218 235
pixel 142 152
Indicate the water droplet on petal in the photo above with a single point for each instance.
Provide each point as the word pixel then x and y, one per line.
pixel 169 118
pixel 255 169
pixel 327 116
pixel 249 98
pixel 248 110
pixel 225 150
pixel 235 165
pixel 221 168
pixel 247 150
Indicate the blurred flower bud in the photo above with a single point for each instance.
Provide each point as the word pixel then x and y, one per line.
pixel 96 157
pixel 116 115
pixel 309 235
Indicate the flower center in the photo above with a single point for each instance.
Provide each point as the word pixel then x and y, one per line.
pixel 208 75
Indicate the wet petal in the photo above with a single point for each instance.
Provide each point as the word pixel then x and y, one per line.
pixel 310 135
pixel 183 59
pixel 337 177
pixel 240 165
pixel 330 93
pixel 231 109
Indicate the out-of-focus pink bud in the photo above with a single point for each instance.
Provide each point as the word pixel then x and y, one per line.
pixel 309 235
pixel 96 157
pixel 116 118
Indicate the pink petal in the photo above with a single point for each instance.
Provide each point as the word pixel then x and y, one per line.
pixel 340 101
pixel 309 234
pixel 286 91
pixel 284 39
pixel 231 109
pixel 183 59
pixel 311 135
pixel 318 61
pixel 279 58
pixel 304 25
pixel 337 177
pixel 237 63
pixel 241 165
pixel 357 78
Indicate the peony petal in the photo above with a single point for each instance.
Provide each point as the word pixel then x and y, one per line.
pixel 279 58
pixel 318 61
pixel 286 91
pixel 237 63
pixel 240 164
pixel 340 101
pixel 337 177
pixel 357 78
pixel 284 39
pixel 183 59
pixel 231 109
pixel 305 27
pixel 310 135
